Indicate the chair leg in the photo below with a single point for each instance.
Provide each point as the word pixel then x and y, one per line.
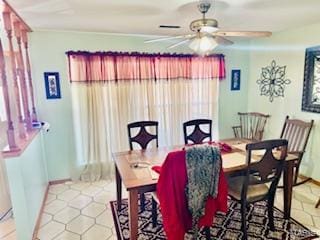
pixel 142 202
pixel 154 213
pixel 270 212
pixel 318 203
pixel 207 233
pixel 296 173
pixel 243 220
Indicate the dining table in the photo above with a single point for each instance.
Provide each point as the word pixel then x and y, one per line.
pixel 133 170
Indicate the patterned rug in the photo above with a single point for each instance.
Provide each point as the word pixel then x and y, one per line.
pixel 224 227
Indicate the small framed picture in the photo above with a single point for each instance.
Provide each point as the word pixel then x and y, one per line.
pixel 235 80
pixel 52 84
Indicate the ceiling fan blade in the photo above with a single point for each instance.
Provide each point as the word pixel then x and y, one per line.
pixel 179 43
pixel 243 33
pixel 169 38
pixel 223 41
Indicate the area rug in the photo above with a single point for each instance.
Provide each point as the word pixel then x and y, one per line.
pixel 225 226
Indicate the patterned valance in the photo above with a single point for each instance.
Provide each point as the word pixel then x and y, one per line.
pixel 113 66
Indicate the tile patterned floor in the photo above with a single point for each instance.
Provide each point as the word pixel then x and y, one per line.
pixel 77 211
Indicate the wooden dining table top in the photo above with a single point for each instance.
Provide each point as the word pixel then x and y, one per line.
pixel 135 166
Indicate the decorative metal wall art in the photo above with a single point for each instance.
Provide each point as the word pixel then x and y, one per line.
pixel 272 81
pixel 311 84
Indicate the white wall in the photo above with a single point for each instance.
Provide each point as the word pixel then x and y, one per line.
pixel 287 49
pixel 48 54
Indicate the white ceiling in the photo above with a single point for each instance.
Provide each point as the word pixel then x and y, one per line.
pixel 144 16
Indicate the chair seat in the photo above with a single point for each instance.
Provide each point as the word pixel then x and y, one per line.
pixel 254 193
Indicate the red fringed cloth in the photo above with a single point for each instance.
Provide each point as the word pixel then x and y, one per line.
pixel 173 202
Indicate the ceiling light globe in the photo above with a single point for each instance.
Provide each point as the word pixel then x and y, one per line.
pixel 203 45
pixel 208 29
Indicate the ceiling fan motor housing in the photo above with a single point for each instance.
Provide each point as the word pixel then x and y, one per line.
pixel 198 24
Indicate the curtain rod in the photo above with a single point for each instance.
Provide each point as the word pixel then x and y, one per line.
pixel 137 54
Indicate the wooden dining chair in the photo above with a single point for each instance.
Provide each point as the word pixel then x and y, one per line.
pixel 259 181
pixel 197 134
pixel 318 203
pixel 251 125
pixel 143 138
pixel 176 193
pixel 297 132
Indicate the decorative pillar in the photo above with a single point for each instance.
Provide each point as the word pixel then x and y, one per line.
pixel 22 77
pixel 25 43
pixel 8 28
pixel 10 128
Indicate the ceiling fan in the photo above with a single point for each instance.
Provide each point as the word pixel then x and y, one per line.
pixel 206 34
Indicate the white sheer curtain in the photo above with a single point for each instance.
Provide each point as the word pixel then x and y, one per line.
pixel 112 89
pixel 103 110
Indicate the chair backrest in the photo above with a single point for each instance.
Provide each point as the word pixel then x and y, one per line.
pixel 266 167
pixel 143 137
pixel 197 135
pixel 297 133
pixel 252 125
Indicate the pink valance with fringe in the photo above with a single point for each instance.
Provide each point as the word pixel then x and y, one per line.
pixel 113 66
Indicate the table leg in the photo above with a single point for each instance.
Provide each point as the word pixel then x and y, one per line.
pixel 133 214
pixel 287 188
pixel 119 190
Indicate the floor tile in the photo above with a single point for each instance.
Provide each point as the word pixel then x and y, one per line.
pixel 68 195
pixel 110 187
pixel 11 236
pixel 315 190
pixel 104 197
pixel 66 235
pixel 113 237
pixel 302 216
pixel 51 197
pixel 93 209
pixel 102 183
pixel 79 185
pixel 50 230
pixel 316 221
pixel 58 188
pixel 83 208
pixel 80 201
pixel 66 215
pixel 91 190
pixel 303 197
pixel 105 219
pixel 97 232
pixel 45 218
pixel 7 227
pixel 80 224
pixel 310 208
pixel 55 206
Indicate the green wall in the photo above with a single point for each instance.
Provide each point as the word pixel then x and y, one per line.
pixel 48 54
pixel 287 49
pixel 28 180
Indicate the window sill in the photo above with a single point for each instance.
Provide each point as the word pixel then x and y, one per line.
pixel 22 144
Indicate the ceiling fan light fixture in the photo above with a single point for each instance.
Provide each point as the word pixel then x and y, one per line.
pixel 208 29
pixel 208 25
pixel 203 45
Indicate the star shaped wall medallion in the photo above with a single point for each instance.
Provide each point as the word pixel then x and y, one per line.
pixel 272 81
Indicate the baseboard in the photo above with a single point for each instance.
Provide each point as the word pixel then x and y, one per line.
pixel 311 180
pixel 37 226
pixel 59 181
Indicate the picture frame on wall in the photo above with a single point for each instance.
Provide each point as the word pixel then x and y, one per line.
pixel 52 85
pixel 235 80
